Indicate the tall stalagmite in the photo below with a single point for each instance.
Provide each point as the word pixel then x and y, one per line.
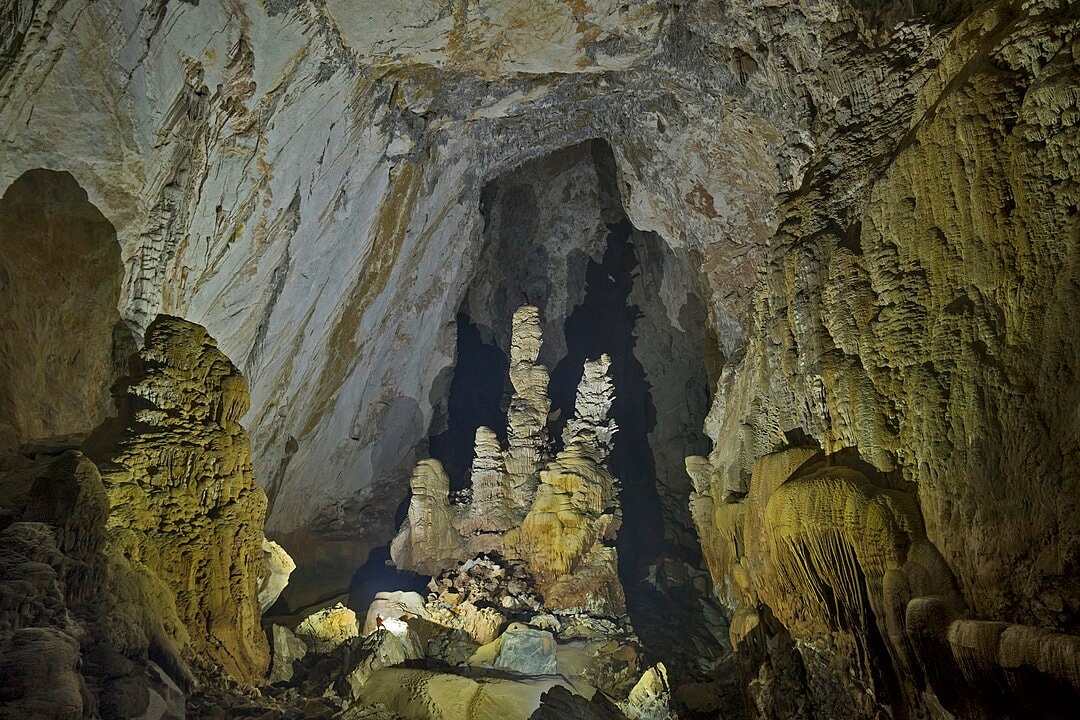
pixel 177 471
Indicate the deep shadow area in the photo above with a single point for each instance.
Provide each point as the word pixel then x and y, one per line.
pixel 476 393
pixel 60 279
pixel 377 575
pixel 604 323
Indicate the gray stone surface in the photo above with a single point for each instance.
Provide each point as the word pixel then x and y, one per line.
pixel 527 651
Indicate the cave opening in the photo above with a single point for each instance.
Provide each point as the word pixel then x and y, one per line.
pixel 62 343
pixel 556 236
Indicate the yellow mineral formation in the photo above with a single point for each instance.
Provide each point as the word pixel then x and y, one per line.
pixel 576 509
pixel 557 518
pixel 186 512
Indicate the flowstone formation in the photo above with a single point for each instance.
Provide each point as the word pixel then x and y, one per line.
pixel 890 504
pixel 185 505
pixel 556 516
pixel 132 580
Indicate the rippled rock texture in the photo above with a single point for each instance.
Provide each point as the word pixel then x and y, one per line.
pixel 917 323
pixel 131 579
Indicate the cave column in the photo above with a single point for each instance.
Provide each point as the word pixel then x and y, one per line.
pixel 490 510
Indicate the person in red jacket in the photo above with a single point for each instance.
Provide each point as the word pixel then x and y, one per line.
pixel 378 622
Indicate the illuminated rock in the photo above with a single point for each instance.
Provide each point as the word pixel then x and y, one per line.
pixel 396 605
pixel 328 629
pixel 650 698
pixel 529 408
pixel 185 508
pixel 277 566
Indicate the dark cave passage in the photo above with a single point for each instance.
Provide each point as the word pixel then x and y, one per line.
pixel 476 398
pixel 604 323
pixel 556 237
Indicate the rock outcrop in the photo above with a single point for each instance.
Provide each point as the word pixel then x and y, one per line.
pixel 185 507
pixel 922 342
pixel 129 582
pixel 526 423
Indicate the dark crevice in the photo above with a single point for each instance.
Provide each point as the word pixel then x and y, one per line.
pixel 475 399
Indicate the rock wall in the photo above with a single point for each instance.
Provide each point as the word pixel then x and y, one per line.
pixel 922 317
pixel 879 205
pixel 131 574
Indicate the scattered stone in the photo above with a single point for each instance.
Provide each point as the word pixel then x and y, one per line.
pixel 286 649
pixel 527 651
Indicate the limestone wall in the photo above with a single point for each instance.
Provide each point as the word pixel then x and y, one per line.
pixel 920 308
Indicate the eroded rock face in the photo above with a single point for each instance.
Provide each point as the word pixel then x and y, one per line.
pixel 927 329
pixel 305 182
pixel 185 507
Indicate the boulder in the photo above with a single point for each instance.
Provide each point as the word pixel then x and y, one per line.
pixel 527 651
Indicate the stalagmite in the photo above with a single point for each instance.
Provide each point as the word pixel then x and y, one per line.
pixel 430 539
pixel 576 509
pixel 529 408
pixel 590 431
pixel 557 517
pixel 491 510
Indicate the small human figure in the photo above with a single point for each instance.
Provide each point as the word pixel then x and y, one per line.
pixel 378 622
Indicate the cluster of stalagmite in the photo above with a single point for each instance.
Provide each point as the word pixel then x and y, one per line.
pixel 557 515
pixel 575 514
